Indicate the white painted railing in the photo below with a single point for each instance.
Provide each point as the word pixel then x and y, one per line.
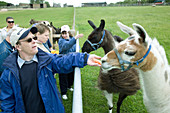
pixel 77 94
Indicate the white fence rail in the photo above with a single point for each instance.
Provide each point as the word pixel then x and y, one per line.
pixel 77 94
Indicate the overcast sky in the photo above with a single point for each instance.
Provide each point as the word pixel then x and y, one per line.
pixel 69 2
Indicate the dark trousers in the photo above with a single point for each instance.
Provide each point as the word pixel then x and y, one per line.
pixel 66 81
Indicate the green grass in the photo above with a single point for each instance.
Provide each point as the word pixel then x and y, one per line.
pixel 155 20
pixel 58 16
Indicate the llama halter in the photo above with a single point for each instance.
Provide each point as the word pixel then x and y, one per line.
pixel 122 62
pixel 96 44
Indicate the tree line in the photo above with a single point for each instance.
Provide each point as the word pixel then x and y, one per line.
pixel 142 1
pixel 37 1
pixel 2 3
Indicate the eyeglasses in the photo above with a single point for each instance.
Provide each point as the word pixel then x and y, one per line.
pixel 10 22
pixel 29 40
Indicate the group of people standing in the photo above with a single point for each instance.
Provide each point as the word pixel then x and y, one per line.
pixel 27 83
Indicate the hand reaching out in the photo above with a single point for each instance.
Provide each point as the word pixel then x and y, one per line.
pixel 93 60
pixel 78 36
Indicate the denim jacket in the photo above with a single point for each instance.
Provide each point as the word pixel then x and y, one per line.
pixel 67 45
pixel 5 50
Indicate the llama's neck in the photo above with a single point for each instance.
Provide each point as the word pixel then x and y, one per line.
pixel 155 80
pixel 156 87
pixel 109 43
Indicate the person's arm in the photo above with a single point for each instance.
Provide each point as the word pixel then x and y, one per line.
pixel 6 95
pixel 72 49
pixel 65 63
pixel 78 36
pixel 4 55
pixel 65 45
pixel 1 35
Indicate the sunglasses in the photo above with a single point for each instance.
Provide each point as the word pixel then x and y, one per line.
pixel 29 40
pixel 10 22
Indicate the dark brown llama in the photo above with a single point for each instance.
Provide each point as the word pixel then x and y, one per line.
pixel 115 81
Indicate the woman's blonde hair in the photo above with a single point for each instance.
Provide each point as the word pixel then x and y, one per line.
pixel 42 28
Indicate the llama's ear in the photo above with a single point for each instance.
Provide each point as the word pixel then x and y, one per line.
pixel 141 31
pixel 51 23
pixel 126 29
pixel 117 38
pixel 91 24
pixel 102 25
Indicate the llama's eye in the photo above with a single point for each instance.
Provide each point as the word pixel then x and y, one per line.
pixel 130 53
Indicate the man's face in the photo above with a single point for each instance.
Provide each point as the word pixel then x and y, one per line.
pixel 10 23
pixel 27 46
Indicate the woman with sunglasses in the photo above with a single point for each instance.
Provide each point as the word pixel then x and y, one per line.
pixel 67 44
pixel 4 31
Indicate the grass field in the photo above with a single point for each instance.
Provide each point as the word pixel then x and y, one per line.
pixel 155 20
pixel 58 16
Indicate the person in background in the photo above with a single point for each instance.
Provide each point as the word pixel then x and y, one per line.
pixel 47 44
pixel 6 48
pixel 42 37
pixel 67 44
pixel 4 31
pixel 27 84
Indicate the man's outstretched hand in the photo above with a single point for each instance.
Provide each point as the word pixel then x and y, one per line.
pixel 93 60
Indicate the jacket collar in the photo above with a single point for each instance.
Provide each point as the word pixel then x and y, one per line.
pixel 11 61
pixel 21 62
pixel 43 58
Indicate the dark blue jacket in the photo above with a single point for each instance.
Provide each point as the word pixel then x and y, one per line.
pixel 48 64
pixel 67 45
pixel 5 50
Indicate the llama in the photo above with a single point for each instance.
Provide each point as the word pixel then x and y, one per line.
pixel 115 81
pixel 148 56
pixel 32 21
pixel 49 24
pixel 56 30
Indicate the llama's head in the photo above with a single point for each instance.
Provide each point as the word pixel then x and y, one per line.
pixel 55 30
pixel 100 37
pixel 95 39
pixel 130 52
pixel 46 23
pixel 32 21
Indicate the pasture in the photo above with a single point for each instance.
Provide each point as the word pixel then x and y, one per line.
pixel 155 20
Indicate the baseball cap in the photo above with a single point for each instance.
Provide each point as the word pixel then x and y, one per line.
pixel 65 28
pixel 21 33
